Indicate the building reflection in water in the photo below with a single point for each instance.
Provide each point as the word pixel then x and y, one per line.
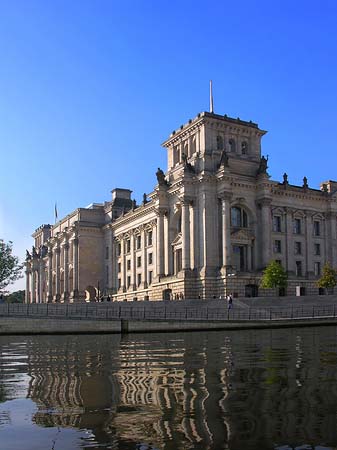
pixel 247 389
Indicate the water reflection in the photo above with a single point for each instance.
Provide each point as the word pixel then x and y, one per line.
pixel 217 390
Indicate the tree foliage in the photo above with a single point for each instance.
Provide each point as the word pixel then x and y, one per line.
pixel 15 297
pixel 274 276
pixel 328 279
pixel 10 269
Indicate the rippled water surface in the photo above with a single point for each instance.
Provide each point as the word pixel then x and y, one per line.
pixel 263 389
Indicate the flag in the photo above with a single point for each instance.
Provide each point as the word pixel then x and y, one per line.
pixel 55 212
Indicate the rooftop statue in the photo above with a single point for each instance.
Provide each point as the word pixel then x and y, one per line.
pixel 263 165
pixel 161 177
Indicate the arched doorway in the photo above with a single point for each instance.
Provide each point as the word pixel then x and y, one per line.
pixel 90 294
pixel 251 290
pixel 167 294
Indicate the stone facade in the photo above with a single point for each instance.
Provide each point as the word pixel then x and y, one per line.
pixel 210 226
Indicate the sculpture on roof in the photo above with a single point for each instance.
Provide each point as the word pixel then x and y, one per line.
pixel 263 165
pixel 161 177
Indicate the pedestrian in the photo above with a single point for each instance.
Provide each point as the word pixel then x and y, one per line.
pixel 230 301
pixel 108 299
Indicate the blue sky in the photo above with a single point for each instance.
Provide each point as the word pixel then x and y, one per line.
pixel 90 89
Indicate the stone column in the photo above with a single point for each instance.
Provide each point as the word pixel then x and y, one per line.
pixel 144 260
pixel 65 294
pixel 33 296
pixel 289 243
pixel 166 245
pixel 27 291
pixel 266 231
pixel 249 257
pixel 123 284
pixel 57 296
pixel 133 263
pixel 192 235
pixel 185 228
pixel 331 238
pixel 41 282
pixel 50 276
pixel 309 251
pixel 226 232
pixel 160 243
pixel 75 268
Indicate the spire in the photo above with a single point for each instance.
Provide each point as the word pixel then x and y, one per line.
pixel 210 97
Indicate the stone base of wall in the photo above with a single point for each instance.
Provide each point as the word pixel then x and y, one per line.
pixel 192 287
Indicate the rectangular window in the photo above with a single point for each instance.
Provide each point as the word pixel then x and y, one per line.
pixel 277 246
pixel 106 252
pixel 277 224
pixel 119 267
pixel 317 228
pixel 107 275
pixel 139 261
pixel 297 226
pixel 317 268
pixel 128 264
pixel 298 248
pixel 150 277
pixel 119 283
pixel 139 279
pixel 317 249
pixel 128 246
pixel 150 258
pixel 138 242
pixel 128 282
pixel 149 238
pixel 119 249
pixel 298 268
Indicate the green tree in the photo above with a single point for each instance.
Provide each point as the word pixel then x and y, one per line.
pixel 328 279
pixel 10 269
pixel 274 276
pixel 15 297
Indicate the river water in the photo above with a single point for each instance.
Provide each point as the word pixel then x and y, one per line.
pixel 261 389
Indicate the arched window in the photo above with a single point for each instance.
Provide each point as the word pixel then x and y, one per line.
pixel 239 217
pixel 231 145
pixel 244 148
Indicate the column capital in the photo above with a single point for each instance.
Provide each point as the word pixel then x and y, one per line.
pixel 225 196
pixel 264 201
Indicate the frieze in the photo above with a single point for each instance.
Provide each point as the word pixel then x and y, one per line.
pixel 243 234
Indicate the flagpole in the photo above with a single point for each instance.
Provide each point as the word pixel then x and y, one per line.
pixel 211 109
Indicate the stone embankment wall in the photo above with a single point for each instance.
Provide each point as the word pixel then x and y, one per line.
pixel 20 325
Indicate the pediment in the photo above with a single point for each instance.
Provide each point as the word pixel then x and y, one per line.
pixel 242 235
pixel 177 240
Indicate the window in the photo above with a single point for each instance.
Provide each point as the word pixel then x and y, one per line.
pixel 128 246
pixel 239 217
pixel 128 264
pixel 150 277
pixel 298 248
pixel 297 226
pixel 298 268
pixel 107 275
pixel 106 252
pixel 149 238
pixel 150 258
pixel 317 268
pixel 231 145
pixel 139 279
pixel 119 267
pixel 128 281
pixel 277 246
pixel 244 148
pixel 317 249
pixel 317 228
pixel 119 249
pixel 119 283
pixel 277 224
pixel 138 242
pixel 139 261
pixel 219 143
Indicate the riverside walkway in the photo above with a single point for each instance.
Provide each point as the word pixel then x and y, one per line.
pixel 166 316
